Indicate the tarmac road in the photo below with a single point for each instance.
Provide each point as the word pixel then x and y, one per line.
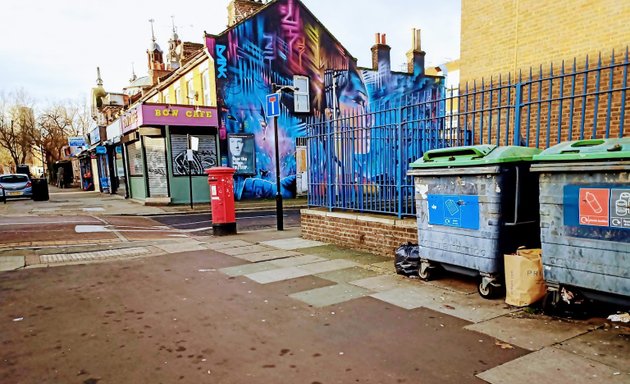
pixel 176 319
pixel 245 221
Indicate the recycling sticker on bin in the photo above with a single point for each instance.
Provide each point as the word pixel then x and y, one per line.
pixel 597 206
pixel 460 211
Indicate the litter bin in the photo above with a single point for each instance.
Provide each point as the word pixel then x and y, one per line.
pixel 40 189
pixel 221 181
pixel 474 204
pixel 585 218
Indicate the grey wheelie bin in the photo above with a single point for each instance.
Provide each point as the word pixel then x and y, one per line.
pixel 474 204
pixel 585 219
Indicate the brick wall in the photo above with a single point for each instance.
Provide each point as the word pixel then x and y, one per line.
pixel 503 36
pixel 547 102
pixel 377 234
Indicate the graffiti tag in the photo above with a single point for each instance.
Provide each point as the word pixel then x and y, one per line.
pixel 222 62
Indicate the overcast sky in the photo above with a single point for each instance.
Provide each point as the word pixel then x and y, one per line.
pixel 51 48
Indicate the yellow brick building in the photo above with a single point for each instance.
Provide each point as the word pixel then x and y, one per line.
pixel 505 36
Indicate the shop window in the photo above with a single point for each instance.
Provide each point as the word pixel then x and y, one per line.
pixel 134 151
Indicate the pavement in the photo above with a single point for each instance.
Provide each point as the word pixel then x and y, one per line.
pixel 74 201
pixel 556 349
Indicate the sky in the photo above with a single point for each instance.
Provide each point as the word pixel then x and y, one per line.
pixel 51 48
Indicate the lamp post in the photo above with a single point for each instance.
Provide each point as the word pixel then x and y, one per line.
pixel 278 89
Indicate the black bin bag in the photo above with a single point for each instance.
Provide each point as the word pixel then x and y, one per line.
pixel 407 260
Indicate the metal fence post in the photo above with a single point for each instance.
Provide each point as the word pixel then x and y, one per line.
pixel 399 168
pixel 331 169
pixel 518 100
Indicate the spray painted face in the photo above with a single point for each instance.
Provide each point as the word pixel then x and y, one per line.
pixel 236 146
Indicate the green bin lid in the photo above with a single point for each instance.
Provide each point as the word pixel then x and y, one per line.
pixel 595 149
pixel 475 155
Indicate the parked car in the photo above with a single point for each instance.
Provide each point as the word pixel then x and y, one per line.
pixel 16 185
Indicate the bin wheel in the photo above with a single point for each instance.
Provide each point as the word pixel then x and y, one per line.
pixel 550 304
pixel 490 292
pixel 428 274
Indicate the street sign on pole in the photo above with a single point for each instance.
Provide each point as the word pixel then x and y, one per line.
pixel 273 105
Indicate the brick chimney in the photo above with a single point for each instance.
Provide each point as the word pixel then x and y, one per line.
pixel 381 54
pixel 240 9
pixel 415 57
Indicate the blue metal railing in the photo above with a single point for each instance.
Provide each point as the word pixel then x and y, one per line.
pixel 359 161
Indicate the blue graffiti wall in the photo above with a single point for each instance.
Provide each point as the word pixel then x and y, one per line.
pixel 282 40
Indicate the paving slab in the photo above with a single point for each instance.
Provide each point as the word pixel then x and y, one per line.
pixel 327 266
pixel 384 282
pixel 404 297
pixel 245 269
pixel 275 275
pixel 383 267
pixel 269 254
pixel 292 243
pixel 334 294
pixel 467 307
pixel 553 366
pixel 336 252
pixel 296 261
pixel 10 263
pixel 181 247
pixel 236 251
pixel 531 332
pixel 461 284
pixel 227 244
pixel 346 275
pixel 608 345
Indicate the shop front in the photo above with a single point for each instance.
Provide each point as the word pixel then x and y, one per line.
pixel 115 154
pixel 98 168
pixel 156 140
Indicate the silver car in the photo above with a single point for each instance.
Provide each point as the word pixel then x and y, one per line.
pixel 15 185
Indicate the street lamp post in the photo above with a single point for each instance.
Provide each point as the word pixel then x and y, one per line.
pixel 278 89
pixel 279 217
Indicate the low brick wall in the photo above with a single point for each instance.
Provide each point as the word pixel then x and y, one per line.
pixel 377 234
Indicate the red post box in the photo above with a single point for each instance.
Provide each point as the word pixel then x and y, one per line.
pixel 221 181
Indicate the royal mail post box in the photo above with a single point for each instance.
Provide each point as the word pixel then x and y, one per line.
pixel 221 182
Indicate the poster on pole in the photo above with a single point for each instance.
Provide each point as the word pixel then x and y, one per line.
pixel 241 151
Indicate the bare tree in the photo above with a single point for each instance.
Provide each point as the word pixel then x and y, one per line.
pixel 56 124
pixel 18 127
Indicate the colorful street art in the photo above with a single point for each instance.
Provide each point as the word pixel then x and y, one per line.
pixel 282 40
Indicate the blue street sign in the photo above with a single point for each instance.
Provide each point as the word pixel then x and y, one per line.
pixel 273 105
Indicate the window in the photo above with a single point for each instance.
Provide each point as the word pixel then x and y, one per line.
pixel 190 91
pixel 14 179
pixel 301 95
pixel 167 99
pixel 178 94
pixel 205 76
pixel 134 153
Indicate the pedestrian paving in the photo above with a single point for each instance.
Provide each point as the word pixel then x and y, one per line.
pixel 558 345
pixel 94 255
pixel 566 367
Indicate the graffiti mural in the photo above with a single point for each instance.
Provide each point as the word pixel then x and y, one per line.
pixel 204 158
pixel 282 40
